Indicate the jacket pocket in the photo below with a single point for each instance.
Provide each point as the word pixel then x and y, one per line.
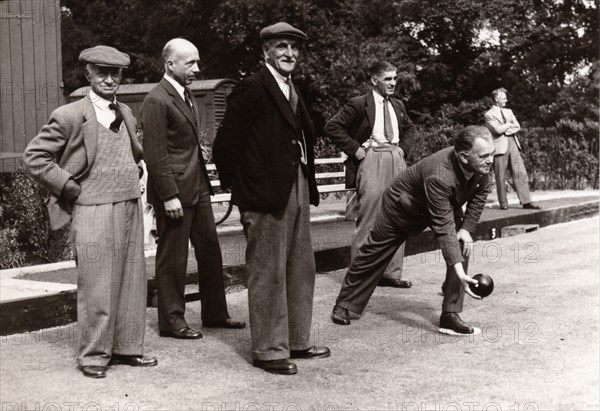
pixel 178 168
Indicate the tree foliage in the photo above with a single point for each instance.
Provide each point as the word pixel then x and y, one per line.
pixel 450 53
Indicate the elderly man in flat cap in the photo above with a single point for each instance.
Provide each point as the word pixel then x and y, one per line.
pixel 87 157
pixel 264 153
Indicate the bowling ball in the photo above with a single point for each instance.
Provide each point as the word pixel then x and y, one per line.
pixel 484 287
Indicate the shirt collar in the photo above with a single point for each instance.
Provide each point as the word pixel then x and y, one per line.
pixel 378 97
pixel 278 76
pixel 178 87
pixel 100 102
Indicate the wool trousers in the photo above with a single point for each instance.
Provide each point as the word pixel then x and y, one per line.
pixel 174 235
pixel 389 232
pixel 375 173
pixel 281 276
pixel 108 243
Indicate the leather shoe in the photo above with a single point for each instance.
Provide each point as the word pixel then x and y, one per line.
pixel 503 207
pixel 391 282
pixel 133 360
pixel 93 371
pixel 531 206
pixel 340 315
pixel 312 352
pixel 276 366
pixel 226 323
pixel 185 333
pixel 454 324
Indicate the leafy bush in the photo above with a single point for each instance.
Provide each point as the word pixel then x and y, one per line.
pixel 25 234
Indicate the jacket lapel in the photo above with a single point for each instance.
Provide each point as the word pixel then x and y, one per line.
pixel 180 104
pixel 370 109
pixel 397 110
pixel 282 102
pixel 89 130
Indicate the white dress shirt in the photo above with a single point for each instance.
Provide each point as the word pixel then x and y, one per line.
pixel 104 114
pixel 378 136
pixel 281 81
pixel 178 87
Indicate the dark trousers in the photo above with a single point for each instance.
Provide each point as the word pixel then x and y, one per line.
pixel 387 235
pixel 281 276
pixel 511 161
pixel 198 226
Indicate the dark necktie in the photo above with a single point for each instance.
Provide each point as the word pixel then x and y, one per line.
pixel 293 96
pixel 502 114
pixel 388 130
pixel 116 124
pixel 188 99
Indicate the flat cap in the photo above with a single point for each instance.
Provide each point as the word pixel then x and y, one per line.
pixel 282 29
pixel 104 56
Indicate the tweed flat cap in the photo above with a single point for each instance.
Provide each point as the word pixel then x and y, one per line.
pixel 282 29
pixel 104 56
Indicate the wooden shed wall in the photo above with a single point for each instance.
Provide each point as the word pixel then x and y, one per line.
pixel 30 73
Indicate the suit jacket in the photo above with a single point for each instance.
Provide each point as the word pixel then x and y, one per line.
pixel 353 125
pixel 432 193
pixel 493 119
pixel 172 147
pixel 65 148
pixel 256 150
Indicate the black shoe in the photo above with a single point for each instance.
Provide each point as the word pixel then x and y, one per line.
pixel 185 333
pixel 93 371
pixel 531 206
pixel 133 360
pixel 227 323
pixel 276 366
pixel 391 282
pixel 450 323
pixel 312 352
pixel 340 315
pixel 503 207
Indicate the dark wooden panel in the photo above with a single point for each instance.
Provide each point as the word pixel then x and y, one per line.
pixel 30 314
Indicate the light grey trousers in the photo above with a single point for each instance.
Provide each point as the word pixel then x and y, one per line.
pixel 512 161
pixel 108 242
pixel 375 173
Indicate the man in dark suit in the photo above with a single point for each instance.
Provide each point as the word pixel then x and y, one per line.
pixel 504 126
pixel 179 190
pixel 86 156
pixel 376 134
pixel 429 193
pixel 264 152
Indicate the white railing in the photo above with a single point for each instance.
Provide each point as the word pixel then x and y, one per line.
pixel 223 198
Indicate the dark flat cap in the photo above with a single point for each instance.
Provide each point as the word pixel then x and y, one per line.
pixel 104 56
pixel 282 29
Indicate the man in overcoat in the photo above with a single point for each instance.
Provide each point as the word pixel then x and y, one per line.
pixel 264 153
